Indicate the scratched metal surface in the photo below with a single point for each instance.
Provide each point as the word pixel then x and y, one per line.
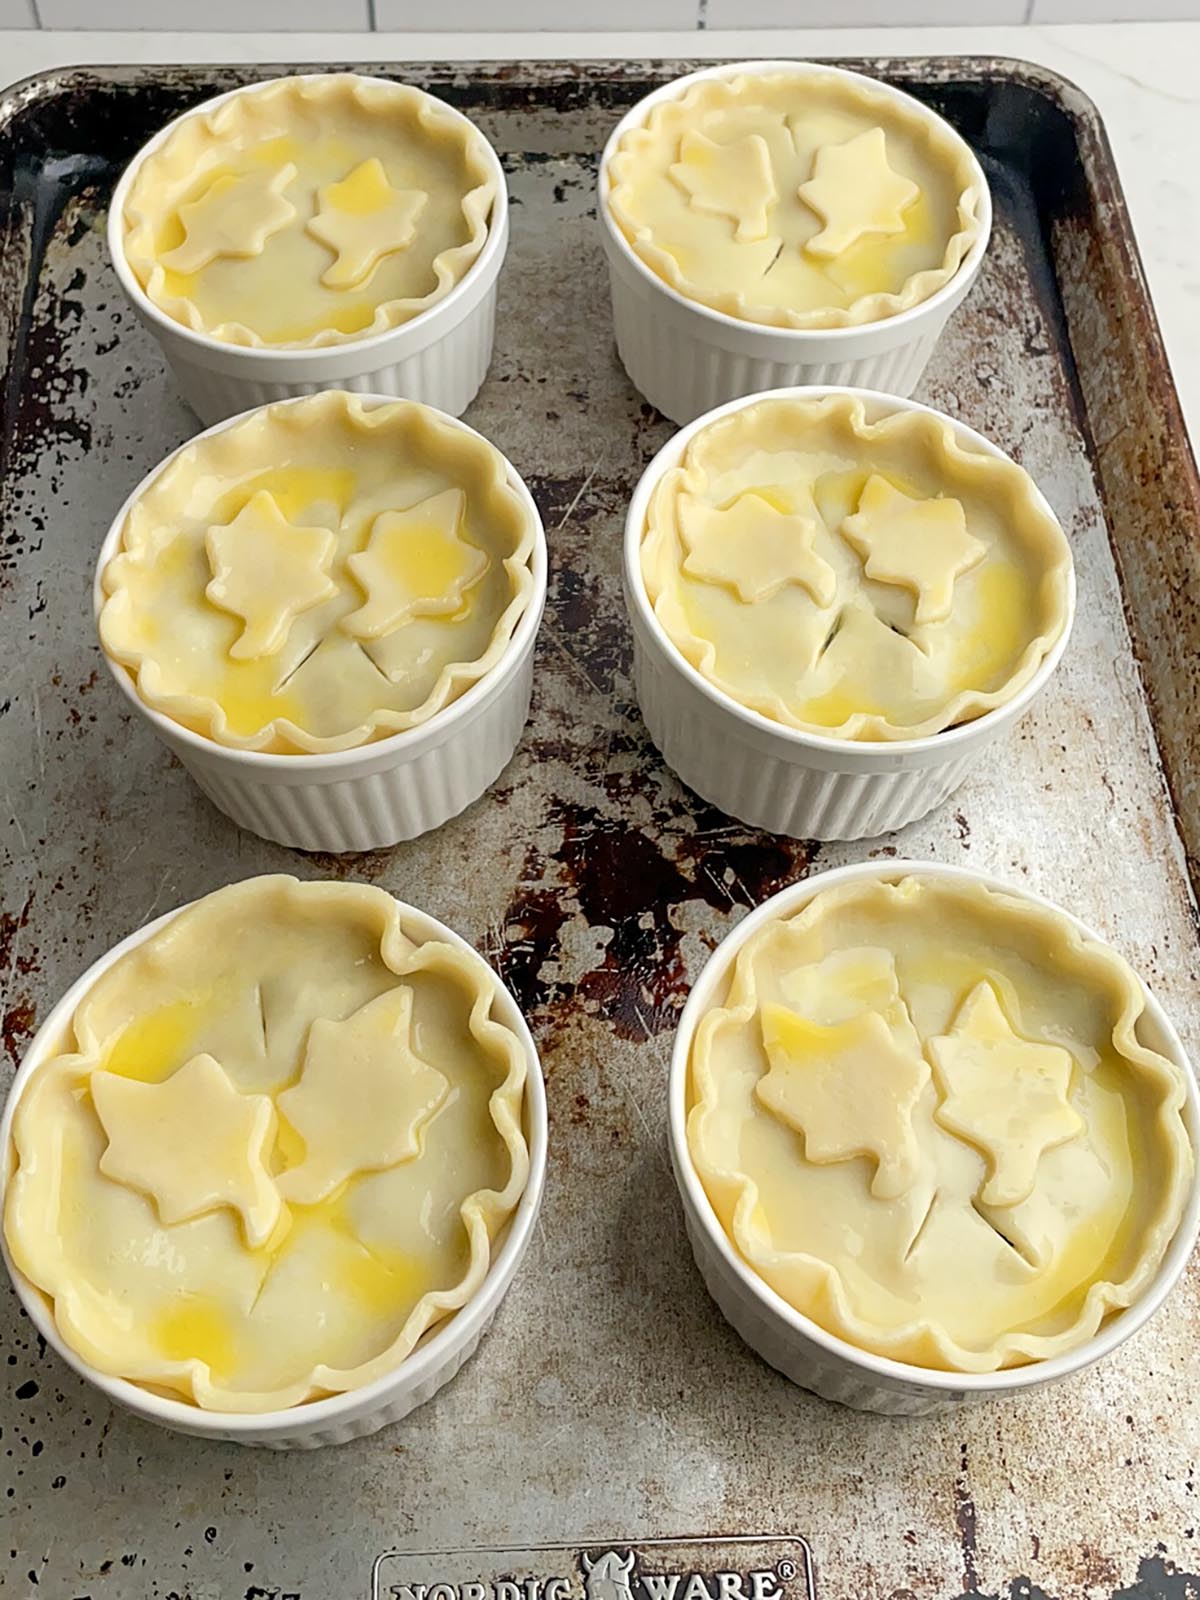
pixel 609 1399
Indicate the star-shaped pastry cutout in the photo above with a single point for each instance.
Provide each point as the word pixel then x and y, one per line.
pixel 753 549
pixel 363 1100
pixel 416 564
pixel 235 216
pixel 1003 1094
pixel 362 219
pixel 849 1088
pixel 192 1143
pixel 844 984
pixel 919 545
pixel 855 192
pixel 732 180
pixel 267 570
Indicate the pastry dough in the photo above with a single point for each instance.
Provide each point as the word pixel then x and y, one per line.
pixel 273 1147
pixel 319 575
pixel 309 211
pixel 867 580
pixel 798 200
pixel 924 1114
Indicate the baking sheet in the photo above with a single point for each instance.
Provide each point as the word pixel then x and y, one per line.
pixel 610 1402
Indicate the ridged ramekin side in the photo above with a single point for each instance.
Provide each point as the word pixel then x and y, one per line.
pixel 371 810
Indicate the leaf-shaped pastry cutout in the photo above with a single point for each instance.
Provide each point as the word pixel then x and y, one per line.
pixel 850 1088
pixel 363 1099
pixel 416 564
pixel 362 219
pixel 919 545
pixel 855 192
pixel 753 549
pixel 235 216
pixel 732 180
pixel 1003 1094
pixel 267 570
pixel 192 1143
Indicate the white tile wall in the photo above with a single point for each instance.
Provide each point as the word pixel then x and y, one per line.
pixel 1115 11
pixel 492 16
pixel 863 13
pixel 208 16
pixel 525 16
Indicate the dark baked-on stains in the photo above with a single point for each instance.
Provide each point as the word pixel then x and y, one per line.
pixel 630 883
pixel 17 1026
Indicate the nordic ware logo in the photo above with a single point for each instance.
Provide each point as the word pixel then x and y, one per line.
pixel 741 1567
pixel 607 1578
pixel 612 1578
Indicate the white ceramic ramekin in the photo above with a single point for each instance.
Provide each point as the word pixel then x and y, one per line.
pixel 440 357
pixel 376 794
pixel 340 1418
pixel 779 778
pixel 686 358
pixel 794 1344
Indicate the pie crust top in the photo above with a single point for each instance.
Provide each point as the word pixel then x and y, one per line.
pixel 924 1114
pixel 865 580
pixel 319 575
pixel 309 211
pixel 273 1147
pixel 797 199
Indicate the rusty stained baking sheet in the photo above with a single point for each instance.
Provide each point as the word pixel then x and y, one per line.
pixel 610 1399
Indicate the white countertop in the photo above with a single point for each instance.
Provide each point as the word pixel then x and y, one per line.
pixel 1143 76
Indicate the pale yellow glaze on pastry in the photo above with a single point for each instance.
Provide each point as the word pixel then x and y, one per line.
pixel 865 580
pixel 273 1147
pixel 923 1113
pixel 319 576
pixel 309 212
pixel 800 200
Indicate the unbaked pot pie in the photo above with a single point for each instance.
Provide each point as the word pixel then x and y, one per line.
pixel 309 212
pixel 319 575
pixel 865 580
pixel 923 1114
pixel 797 199
pixel 275 1146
